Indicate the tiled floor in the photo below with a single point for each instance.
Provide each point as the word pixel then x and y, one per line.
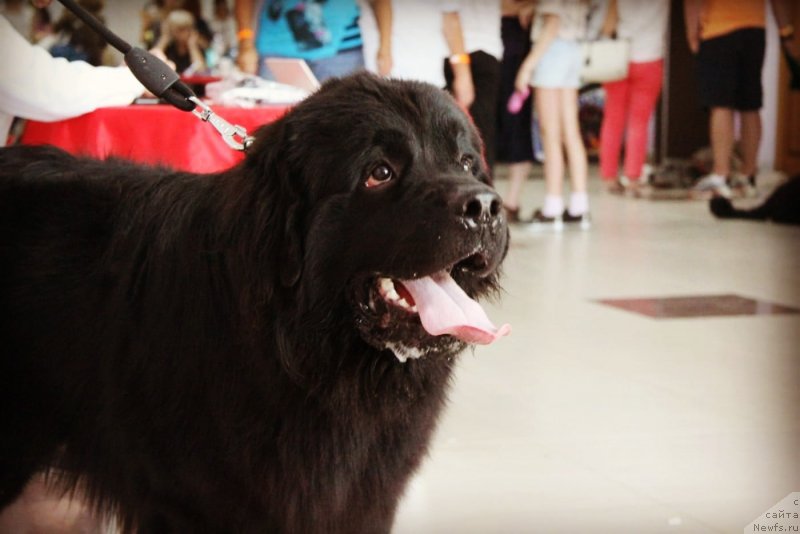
pixel 590 418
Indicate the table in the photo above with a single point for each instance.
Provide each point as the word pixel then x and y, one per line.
pixel 151 133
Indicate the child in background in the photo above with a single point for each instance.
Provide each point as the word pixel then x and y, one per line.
pixel 630 102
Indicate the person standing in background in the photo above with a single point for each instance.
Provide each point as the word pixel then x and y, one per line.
pixel 472 70
pixel 376 34
pixel 325 34
pixel 630 102
pixel 728 38
pixel 514 136
pixel 553 68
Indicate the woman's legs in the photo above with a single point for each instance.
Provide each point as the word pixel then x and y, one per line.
pixel 548 104
pixel 576 152
pixel 750 139
pixel 517 174
pixel 645 86
pixel 615 113
pixel 573 142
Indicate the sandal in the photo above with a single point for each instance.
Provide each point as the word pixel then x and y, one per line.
pixel 615 187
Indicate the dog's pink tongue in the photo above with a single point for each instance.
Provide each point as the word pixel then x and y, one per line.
pixel 444 308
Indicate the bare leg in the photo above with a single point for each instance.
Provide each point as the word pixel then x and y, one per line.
pixel 547 105
pixel 517 174
pixel 751 138
pixel 722 137
pixel 576 152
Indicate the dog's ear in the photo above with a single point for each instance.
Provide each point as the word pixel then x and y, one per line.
pixel 269 160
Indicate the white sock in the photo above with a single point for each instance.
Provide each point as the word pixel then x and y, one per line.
pixel 553 206
pixel 578 203
pixel 716 179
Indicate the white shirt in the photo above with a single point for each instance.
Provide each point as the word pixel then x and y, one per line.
pixel 480 24
pixel 35 85
pixel 418 45
pixel 645 25
pixel 572 18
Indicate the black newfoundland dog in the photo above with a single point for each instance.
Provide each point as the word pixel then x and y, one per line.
pixel 261 350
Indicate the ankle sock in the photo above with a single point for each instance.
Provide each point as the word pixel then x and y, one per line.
pixel 578 203
pixel 553 206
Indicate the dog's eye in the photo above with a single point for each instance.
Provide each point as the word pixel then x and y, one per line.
pixel 380 175
pixel 467 163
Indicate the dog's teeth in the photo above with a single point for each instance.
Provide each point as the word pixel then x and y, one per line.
pixel 414 309
pixel 386 284
pixel 403 303
pixel 392 294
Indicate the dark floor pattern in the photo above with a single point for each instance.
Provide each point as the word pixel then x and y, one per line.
pixel 698 306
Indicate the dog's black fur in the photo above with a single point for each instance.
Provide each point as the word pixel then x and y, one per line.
pixel 782 206
pixel 208 353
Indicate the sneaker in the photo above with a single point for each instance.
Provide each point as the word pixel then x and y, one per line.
pixel 541 222
pixel 743 186
pixel 710 186
pixel 583 221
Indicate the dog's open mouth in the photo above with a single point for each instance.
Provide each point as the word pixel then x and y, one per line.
pixel 415 316
pixel 442 306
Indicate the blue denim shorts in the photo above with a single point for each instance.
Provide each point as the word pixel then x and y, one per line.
pixel 560 66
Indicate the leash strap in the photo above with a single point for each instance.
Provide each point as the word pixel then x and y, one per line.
pixel 163 81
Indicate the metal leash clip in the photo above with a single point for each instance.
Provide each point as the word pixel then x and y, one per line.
pixel 235 136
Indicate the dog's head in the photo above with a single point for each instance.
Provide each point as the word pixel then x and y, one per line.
pixel 388 219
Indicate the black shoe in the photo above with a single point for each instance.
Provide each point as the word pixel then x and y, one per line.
pixel 541 222
pixel 583 220
pixel 512 214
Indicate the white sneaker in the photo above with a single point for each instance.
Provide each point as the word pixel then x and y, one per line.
pixel 743 186
pixel 710 186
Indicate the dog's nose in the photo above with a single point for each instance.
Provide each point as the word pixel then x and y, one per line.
pixel 482 207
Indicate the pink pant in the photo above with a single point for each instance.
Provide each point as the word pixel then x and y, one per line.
pixel 629 103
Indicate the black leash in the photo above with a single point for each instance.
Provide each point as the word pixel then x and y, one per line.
pixel 163 81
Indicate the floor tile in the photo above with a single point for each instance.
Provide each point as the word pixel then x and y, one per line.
pixel 698 306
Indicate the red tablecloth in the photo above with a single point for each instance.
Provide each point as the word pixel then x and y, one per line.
pixel 157 134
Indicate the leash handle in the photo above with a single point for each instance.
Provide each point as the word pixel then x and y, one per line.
pixel 159 78
pixel 153 73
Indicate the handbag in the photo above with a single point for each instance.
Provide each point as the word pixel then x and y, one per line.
pixel 605 60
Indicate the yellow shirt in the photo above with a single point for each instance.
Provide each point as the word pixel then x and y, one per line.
pixel 725 16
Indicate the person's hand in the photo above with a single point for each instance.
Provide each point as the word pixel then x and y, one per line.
pixel 40 3
pixel 194 39
pixel 384 62
pixel 523 79
pixel 247 58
